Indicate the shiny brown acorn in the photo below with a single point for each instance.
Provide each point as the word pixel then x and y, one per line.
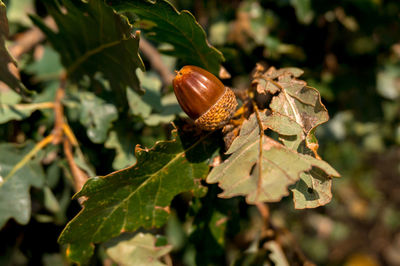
pixel 204 98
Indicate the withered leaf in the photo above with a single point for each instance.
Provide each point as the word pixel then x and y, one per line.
pixel 261 168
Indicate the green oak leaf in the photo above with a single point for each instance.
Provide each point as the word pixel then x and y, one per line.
pixel 5 58
pixel 137 105
pixel 167 25
pixel 261 168
pixel 152 107
pixel 80 251
pixel 139 250
pixel 97 116
pixel 92 38
pixel 12 109
pixel 123 148
pixel 142 105
pixel 15 201
pixel 170 108
pixel 48 67
pixel 213 218
pixel 140 195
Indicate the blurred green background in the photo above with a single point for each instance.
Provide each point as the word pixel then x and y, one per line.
pixel 350 52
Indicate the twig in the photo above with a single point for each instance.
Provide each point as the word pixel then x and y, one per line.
pixel 156 62
pixel 24 42
pixel 61 132
pixel 79 176
pixel 62 129
pixel 59 111
pixel 35 106
pixel 263 209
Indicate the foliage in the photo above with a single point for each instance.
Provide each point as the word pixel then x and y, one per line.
pixel 112 50
pixel 6 75
pixel 15 186
pixel 137 196
pixel 180 29
pixel 140 249
pixel 101 156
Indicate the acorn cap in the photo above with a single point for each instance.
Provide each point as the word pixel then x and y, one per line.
pixel 203 97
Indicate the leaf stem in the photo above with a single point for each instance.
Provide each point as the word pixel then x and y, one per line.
pixel 156 62
pixel 70 134
pixel 36 106
pixel 43 143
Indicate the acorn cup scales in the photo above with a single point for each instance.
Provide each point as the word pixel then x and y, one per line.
pixel 204 98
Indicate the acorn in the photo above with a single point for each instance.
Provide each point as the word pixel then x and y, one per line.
pixel 204 98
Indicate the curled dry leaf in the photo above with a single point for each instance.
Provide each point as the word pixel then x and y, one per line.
pixel 262 168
